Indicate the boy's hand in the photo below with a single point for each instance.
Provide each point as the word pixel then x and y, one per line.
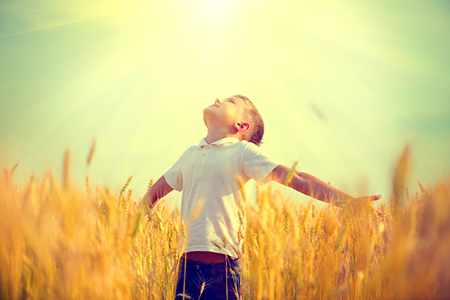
pixel 369 198
pixel 364 198
pixel 340 203
pixel 372 198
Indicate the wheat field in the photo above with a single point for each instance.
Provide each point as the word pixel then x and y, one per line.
pixel 62 241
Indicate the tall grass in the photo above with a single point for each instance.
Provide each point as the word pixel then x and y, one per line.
pixel 59 241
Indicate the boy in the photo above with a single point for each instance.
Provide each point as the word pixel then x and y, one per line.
pixel 210 176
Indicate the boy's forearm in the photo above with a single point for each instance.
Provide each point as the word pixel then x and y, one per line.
pixel 308 185
pixel 148 201
pixel 316 188
pixel 158 190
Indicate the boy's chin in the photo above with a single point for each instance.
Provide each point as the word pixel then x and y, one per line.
pixel 207 112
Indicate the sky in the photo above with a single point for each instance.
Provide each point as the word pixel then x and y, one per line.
pixel 343 86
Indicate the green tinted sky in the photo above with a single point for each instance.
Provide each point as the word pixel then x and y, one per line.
pixel 342 85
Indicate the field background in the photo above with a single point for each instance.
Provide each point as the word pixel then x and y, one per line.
pixel 61 241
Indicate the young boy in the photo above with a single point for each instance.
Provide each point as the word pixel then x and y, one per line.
pixel 210 176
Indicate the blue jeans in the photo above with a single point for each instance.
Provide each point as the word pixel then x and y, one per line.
pixel 209 281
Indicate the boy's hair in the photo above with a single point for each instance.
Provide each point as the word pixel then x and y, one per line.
pixel 256 132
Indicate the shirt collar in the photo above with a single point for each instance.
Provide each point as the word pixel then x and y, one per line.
pixel 227 140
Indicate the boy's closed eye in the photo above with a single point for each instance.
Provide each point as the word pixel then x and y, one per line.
pixel 230 100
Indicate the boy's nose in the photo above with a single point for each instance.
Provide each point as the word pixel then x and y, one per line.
pixel 217 101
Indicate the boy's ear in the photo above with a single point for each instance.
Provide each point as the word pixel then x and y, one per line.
pixel 242 126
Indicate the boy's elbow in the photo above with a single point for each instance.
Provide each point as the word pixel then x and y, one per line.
pixel 274 175
pixel 280 174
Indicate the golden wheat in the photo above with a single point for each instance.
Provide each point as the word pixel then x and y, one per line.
pixel 62 242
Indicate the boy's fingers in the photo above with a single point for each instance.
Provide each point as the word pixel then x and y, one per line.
pixel 369 198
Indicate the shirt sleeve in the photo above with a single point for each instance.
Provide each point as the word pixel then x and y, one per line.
pixel 256 163
pixel 174 176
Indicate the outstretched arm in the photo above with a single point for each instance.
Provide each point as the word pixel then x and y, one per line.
pixel 158 190
pixel 312 186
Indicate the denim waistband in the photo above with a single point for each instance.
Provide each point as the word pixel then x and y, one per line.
pixel 210 269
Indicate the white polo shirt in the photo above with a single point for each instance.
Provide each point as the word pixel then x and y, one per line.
pixel 208 173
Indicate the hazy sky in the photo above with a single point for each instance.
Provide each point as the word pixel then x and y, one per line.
pixel 342 85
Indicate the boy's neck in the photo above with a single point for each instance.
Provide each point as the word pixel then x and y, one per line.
pixel 214 136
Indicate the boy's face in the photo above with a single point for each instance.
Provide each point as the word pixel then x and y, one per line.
pixel 226 112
